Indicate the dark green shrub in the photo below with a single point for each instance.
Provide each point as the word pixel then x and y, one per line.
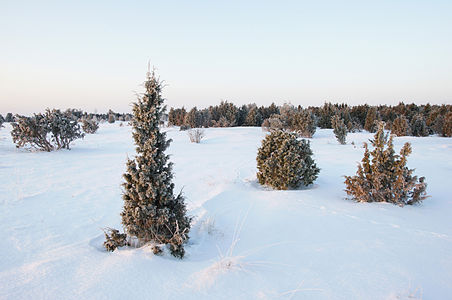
pixel 284 162
pixel 418 126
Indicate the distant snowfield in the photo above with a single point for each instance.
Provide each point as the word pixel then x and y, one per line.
pixel 247 242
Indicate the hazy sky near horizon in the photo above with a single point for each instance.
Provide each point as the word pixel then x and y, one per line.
pixel 93 55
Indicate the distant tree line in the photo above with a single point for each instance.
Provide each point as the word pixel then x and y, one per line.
pixel 401 119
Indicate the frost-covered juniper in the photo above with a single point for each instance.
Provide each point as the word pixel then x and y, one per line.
pixel 383 176
pixel 90 126
pixel 152 213
pixel 400 126
pixel 52 130
pixel 284 162
pixel 340 130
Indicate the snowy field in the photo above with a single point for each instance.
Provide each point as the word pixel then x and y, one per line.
pixel 247 242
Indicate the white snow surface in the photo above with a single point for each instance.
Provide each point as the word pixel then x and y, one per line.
pixel 246 242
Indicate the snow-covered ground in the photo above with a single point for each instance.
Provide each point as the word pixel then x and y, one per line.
pixel 247 242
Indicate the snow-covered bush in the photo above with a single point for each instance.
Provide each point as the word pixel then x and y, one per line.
pixel 339 129
pixel 111 118
pixel 273 123
pixel 114 239
pixel 152 213
pixel 400 126
pixel 90 126
pixel 383 176
pixel 195 135
pixel 52 130
pixel 284 162
pixel 303 123
pixel 184 127
pixel 9 118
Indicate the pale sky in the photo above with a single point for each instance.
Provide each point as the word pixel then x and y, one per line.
pixel 93 55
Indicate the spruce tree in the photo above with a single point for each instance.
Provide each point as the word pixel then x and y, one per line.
pixel 152 213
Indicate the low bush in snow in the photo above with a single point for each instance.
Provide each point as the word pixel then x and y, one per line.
pixel 52 130
pixel 383 176
pixel 273 123
pixel 195 135
pixel 114 239
pixel 284 162
pixel 90 126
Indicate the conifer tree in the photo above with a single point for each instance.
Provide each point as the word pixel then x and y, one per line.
pixel 254 117
pixel 193 118
pixel 400 126
pixel 447 125
pixel 339 129
pixel 303 123
pixel 152 213
pixel 9 117
pixel 383 176
pixel 327 111
pixel 418 126
pixel 52 130
pixel 90 126
pixel 284 162
pixel 371 120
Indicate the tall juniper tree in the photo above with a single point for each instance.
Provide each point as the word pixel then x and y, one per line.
pixel 152 213
pixel 339 129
